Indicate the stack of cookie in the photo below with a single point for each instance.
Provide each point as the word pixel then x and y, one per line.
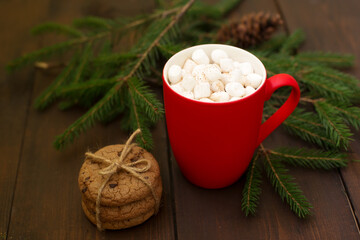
pixel 126 200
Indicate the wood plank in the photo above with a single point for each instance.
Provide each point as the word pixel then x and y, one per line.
pixel 12 126
pixel 332 26
pixel 15 93
pixel 216 214
pixel 47 199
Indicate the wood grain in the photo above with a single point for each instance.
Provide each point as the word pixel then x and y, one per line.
pixel 15 93
pixel 40 199
pixel 333 26
pixel 216 214
pixel 47 199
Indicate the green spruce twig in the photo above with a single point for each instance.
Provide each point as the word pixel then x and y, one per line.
pixel 137 100
pixel 310 158
pixel 252 189
pixel 285 186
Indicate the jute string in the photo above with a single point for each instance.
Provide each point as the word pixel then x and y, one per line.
pixel 117 164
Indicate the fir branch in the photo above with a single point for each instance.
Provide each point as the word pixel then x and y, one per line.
pixel 51 27
pixel 304 124
pixel 158 38
pixel 48 95
pixel 158 14
pixel 59 48
pixel 168 50
pixel 78 88
pixel 89 118
pixel 84 93
pixel 293 42
pixel 83 60
pixel 310 158
pixel 310 118
pixel 145 99
pixel 226 6
pixel 322 85
pixel 326 59
pixel 336 75
pixel 43 53
pixel 215 11
pixel 137 120
pixel 285 186
pixel 92 22
pixel 271 46
pixel 113 58
pixel 350 114
pixel 334 124
pixel 97 112
pixel 73 76
pixel 252 189
pixel 66 104
pixel 309 136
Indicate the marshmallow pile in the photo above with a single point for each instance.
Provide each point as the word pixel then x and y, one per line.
pixel 219 79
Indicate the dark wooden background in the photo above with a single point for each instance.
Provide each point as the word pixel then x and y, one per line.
pixel 39 196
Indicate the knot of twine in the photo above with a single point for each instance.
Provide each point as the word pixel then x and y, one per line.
pixel 117 164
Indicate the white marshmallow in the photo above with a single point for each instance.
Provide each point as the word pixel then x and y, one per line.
pixel 254 80
pixel 174 73
pixel 218 54
pixel 236 65
pixel 245 68
pixel 249 90
pixel 183 73
pixel 188 82
pixel 226 78
pixel 198 69
pixel 237 76
pixel 217 86
pixel 206 100
pixel 220 96
pixel 200 77
pixel 178 88
pixel 234 98
pixel 199 56
pixel 189 65
pixel 188 95
pixel 226 64
pixel 212 72
pixel 202 90
pixel 235 89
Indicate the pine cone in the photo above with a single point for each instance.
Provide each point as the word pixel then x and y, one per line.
pixel 251 30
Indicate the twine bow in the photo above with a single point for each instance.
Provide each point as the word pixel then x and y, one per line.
pixel 117 164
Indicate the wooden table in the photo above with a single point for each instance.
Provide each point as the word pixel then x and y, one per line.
pixel 40 199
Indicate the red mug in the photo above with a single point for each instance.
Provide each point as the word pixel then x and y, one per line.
pixel 213 143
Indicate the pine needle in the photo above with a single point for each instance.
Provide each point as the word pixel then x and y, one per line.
pixel 51 27
pixel 137 98
pixel 252 188
pixel 326 59
pixel 92 22
pixel 285 186
pixel 43 53
pixel 351 114
pixel 88 119
pixel 310 158
pixel 309 136
pixel 324 86
pixel 146 100
pixel 48 95
pixel 215 11
pixel 293 42
pixel 334 124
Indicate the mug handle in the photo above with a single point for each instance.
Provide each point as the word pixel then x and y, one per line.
pixel 273 83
